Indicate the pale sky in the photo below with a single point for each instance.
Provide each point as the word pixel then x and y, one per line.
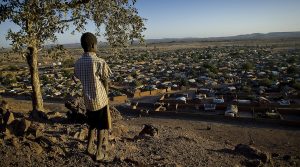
pixel 203 18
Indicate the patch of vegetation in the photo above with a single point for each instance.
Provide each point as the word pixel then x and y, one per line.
pixel 266 82
pixel 67 73
pixel 212 68
pixel 247 66
pixel 9 79
pixel 69 63
pixel 12 68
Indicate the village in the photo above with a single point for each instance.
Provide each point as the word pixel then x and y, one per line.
pixel 149 83
pixel 235 81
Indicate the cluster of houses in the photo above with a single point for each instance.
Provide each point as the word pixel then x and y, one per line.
pixel 251 71
pixel 240 72
pixel 56 83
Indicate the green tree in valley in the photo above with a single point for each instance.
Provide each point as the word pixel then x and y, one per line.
pixel 68 63
pixel 247 66
pixel 266 82
pixel 183 82
pixel 67 73
pixel 212 68
pixel 40 21
pixel 137 83
pixel 9 79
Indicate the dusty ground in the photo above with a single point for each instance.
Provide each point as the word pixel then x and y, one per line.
pixel 179 143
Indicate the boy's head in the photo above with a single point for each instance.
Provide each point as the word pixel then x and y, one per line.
pixel 88 42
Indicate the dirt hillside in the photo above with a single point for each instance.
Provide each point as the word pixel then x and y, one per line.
pixel 174 142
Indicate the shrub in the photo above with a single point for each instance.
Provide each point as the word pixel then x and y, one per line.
pixel 12 68
pixel 266 82
pixel 67 73
pixel 247 66
pixel 9 79
pixel 68 63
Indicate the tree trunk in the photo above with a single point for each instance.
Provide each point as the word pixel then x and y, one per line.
pixel 32 60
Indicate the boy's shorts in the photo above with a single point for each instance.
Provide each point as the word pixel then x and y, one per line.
pixel 98 119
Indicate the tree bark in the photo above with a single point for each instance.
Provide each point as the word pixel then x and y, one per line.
pixel 32 60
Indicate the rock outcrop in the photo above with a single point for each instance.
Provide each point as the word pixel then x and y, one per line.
pixel 253 153
pixel 77 111
pixel 149 130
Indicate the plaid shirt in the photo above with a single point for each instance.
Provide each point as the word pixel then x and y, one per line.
pixel 90 70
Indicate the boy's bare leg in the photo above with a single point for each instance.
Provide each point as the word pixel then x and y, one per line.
pixel 105 141
pixel 102 145
pixel 91 138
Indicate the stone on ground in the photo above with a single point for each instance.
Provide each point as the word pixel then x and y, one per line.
pixel 77 111
pixel 35 130
pixel 149 130
pixel 3 107
pixel 8 117
pixel 253 153
pixel 22 127
pixel 118 130
pixel 15 142
pixel 34 147
pixel 81 135
pixel 8 133
pixel 46 141
pixel 56 150
pixel 115 114
pixel 1 142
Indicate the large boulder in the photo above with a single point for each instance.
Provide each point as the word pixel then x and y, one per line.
pixel 56 150
pixel 20 126
pixel 16 127
pixel 3 107
pixel 46 141
pixel 118 130
pixel 8 133
pixel 35 131
pixel 8 118
pixel 34 147
pixel 149 130
pixel 81 134
pixel 24 125
pixel 15 142
pixel 77 111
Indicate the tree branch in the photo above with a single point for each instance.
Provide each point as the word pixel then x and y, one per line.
pixel 75 4
pixel 5 12
pixel 69 20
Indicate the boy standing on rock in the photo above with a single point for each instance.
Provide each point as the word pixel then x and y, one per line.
pixel 93 73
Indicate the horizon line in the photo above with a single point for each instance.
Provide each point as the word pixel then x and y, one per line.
pixel 166 38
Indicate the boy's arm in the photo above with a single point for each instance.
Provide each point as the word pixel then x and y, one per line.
pixel 105 84
pixel 104 75
pixel 75 76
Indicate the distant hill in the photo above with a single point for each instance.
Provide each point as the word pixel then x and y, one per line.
pixel 270 35
pixel 254 36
